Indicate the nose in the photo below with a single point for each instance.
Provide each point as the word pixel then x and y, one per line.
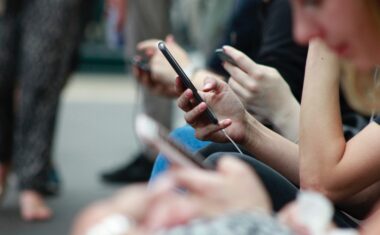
pixel 305 29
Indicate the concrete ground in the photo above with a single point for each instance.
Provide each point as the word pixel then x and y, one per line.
pixel 94 133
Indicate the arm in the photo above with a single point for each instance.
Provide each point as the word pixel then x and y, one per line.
pixel 268 146
pixel 327 163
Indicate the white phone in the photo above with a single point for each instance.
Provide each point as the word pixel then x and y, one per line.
pixel 156 136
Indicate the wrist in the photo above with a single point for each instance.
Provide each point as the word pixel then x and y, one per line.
pixel 286 120
pixel 250 127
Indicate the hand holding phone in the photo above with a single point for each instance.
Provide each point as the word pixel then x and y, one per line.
pixel 185 79
pixel 141 61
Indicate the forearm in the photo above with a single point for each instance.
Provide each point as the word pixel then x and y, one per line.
pixel 322 143
pixel 287 123
pixel 271 148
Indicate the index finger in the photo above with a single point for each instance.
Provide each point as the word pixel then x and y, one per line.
pixel 179 86
pixel 195 180
pixel 241 59
pixel 148 44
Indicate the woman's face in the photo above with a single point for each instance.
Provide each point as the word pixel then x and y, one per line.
pixel 346 26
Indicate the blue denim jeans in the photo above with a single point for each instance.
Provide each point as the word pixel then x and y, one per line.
pixel 186 136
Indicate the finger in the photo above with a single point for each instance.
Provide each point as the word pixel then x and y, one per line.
pixel 169 39
pixel 239 90
pixel 241 59
pixel 195 180
pixel 241 77
pixel 206 131
pixel 183 102
pixel 193 115
pixel 180 87
pixel 212 84
pixel 147 44
pixel 145 79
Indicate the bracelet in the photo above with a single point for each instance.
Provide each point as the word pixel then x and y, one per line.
pixel 114 224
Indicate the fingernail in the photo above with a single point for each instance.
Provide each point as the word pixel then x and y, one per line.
pixel 226 122
pixel 207 86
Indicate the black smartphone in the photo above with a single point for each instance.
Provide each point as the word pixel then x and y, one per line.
pixel 185 79
pixel 141 61
pixel 156 136
pixel 224 57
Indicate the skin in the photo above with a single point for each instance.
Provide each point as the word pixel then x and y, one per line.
pixel 347 172
pixel 209 194
pixel 347 27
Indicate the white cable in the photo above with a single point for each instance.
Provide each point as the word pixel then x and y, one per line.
pixel 376 84
pixel 232 141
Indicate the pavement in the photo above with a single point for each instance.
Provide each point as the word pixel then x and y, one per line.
pixel 94 133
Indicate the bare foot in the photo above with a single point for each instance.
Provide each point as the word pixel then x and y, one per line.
pixel 33 206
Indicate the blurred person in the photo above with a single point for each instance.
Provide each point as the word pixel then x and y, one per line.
pixel 268 41
pixel 37 44
pixel 216 202
pixel 147 19
pixel 144 19
pixel 345 171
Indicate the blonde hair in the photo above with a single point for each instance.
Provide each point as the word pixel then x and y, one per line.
pixel 362 88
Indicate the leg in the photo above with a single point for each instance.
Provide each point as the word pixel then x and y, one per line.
pixel 8 50
pixel 146 19
pixel 49 33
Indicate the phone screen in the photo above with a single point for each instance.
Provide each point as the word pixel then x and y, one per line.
pixel 185 79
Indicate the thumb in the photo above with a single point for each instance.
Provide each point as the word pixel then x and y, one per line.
pixel 212 84
pixel 169 39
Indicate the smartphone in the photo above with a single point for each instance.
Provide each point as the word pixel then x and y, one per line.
pixel 185 80
pixel 141 61
pixel 156 136
pixel 224 57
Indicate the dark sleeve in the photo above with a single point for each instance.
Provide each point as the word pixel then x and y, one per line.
pixel 246 26
pixel 264 33
pixel 278 48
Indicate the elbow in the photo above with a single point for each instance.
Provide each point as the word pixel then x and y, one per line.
pixel 319 185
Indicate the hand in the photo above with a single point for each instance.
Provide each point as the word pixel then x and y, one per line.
pixel 263 91
pixel 162 75
pixel 133 201
pixel 223 102
pixel 232 187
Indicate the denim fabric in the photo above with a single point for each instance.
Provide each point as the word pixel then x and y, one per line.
pixel 186 136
